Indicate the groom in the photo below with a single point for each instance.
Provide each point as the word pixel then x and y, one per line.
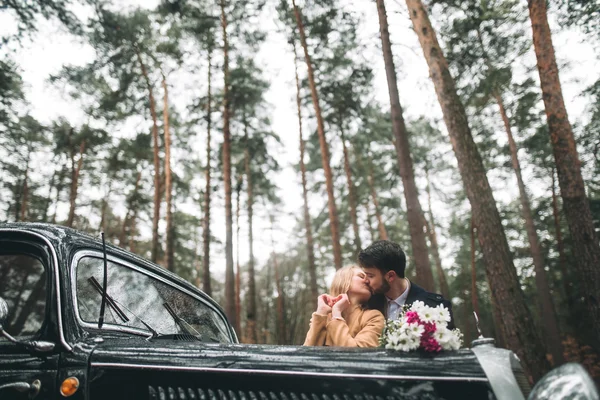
pixel 384 263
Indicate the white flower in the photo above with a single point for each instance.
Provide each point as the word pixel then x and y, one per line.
pixel 417 306
pixel 455 339
pixel 415 330
pixel 452 339
pixel 427 314
pixel 401 341
pixel 392 340
pixel 441 315
pixel 442 335
pixel 414 343
pixel 395 324
pixel 406 343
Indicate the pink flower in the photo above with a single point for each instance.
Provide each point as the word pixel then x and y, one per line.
pixel 412 316
pixel 429 344
pixel 430 327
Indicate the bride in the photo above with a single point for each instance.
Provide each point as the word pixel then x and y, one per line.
pixel 342 318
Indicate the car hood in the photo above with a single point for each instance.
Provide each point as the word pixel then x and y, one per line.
pixel 172 355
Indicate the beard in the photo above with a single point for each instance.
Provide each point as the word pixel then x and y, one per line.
pixel 385 287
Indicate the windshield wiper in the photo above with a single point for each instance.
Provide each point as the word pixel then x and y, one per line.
pixel 105 286
pixel 113 304
pixel 103 290
pixel 183 325
pixel 109 300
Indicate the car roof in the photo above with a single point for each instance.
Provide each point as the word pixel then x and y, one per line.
pixel 69 239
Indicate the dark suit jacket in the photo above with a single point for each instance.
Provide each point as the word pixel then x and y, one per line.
pixel 415 293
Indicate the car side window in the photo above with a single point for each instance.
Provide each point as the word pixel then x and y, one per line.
pixel 140 302
pixel 23 287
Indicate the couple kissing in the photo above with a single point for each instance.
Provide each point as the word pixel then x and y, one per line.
pixel 361 297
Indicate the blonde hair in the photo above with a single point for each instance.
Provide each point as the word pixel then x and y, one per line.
pixel 342 280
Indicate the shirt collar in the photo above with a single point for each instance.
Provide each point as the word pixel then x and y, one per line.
pixel 401 300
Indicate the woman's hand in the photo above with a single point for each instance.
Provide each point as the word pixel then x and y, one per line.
pixel 323 304
pixel 340 306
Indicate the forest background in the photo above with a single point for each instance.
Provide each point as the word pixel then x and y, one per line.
pixel 253 147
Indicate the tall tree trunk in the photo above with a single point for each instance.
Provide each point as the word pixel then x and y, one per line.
pixel 48 200
pixel 22 191
pixel 371 183
pixel 157 184
pixel 251 334
pixel 75 171
pixel 197 260
pixel 25 196
pixel 414 211
pixel 238 303
pixel 380 225
pixel 18 195
pixel 333 215
pixel 351 191
pixel 168 178
pixel 498 331
pixel 229 273
pixel 586 247
pixel 266 333
pixel 59 188
pixel 430 226
pixel 104 206
pixel 497 320
pixel 474 294
pixel 468 327
pixel 281 323
pixel 206 223
pixel 547 312
pixel 130 211
pixel 369 222
pixel 133 230
pixel 310 249
pixel 562 257
pixel 517 325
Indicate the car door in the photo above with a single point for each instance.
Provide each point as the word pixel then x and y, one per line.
pixel 25 285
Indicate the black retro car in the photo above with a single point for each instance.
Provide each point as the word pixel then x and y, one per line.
pixel 162 338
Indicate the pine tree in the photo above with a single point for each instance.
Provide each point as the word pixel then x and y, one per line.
pixel 586 247
pixel 333 213
pixel 494 53
pixel 312 269
pixel 518 329
pixel 413 205
pixel 229 274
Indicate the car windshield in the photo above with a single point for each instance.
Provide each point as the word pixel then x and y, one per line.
pixel 143 304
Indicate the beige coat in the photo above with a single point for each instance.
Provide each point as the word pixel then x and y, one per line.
pixel 361 328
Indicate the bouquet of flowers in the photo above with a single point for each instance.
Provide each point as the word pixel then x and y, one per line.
pixel 420 326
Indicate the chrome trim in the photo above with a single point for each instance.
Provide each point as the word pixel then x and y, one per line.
pixel 496 365
pixel 56 277
pixel 119 261
pixel 280 372
pixel 483 342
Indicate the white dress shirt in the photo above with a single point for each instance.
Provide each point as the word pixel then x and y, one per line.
pixel 394 306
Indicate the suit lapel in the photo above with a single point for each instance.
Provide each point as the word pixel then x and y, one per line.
pixel 415 293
